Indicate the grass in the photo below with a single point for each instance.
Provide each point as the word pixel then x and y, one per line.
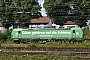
pixel 41 57
pixel 84 44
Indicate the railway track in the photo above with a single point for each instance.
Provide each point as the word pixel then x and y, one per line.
pixel 85 55
pixel 46 49
pixel 70 52
pixel 63 53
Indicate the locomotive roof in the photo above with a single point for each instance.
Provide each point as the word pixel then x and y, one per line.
pixel 47 29
pixel 44 29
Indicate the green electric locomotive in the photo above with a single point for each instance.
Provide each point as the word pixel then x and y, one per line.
pixel 73 34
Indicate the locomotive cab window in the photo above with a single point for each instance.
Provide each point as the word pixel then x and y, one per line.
pixel 19 31
pixel 73 31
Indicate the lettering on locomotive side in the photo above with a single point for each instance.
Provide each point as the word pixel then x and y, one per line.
pixel 46 32
pixel 63 32
pixel 25 32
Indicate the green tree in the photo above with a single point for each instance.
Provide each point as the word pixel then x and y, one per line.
pixel 57 10
pixel 63 10
pixel 23 10
pixel 81 9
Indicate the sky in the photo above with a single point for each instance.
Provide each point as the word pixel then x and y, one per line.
pixel 43 9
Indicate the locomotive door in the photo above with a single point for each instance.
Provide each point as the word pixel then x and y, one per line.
pixel 73 34
pixel 19 34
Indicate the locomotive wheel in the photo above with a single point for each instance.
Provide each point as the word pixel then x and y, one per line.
pixel 17 41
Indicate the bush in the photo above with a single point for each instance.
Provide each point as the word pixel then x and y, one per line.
pixel 5 36
pixel 2 37
pixel 32 44
pixel 86 33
